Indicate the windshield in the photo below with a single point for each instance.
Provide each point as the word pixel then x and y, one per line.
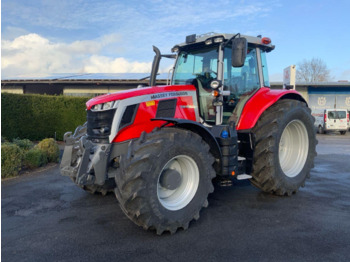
pixel 194 63
pixel 336 114
pixel 199 68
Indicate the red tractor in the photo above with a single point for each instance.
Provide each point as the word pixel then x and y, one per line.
pixel 159 147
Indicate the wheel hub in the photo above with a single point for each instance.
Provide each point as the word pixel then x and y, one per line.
pixel 293 148
pixel 178 182
pixel 170 179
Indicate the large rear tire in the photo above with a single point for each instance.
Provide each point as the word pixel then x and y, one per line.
pixel 285 147
pixel 165 178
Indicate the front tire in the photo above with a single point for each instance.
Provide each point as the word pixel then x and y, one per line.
pixel 342 132
pixel 165 178
pixel 285 147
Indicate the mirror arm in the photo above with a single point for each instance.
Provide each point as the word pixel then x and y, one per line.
pixel 169 56
pixel 228 41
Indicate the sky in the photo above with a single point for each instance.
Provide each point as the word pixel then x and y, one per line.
pixel 45 37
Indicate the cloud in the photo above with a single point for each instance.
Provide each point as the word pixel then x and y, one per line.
pixel 103 64
pixel 138 24
pixel 75 36
pixel 79 14
pixel 34 55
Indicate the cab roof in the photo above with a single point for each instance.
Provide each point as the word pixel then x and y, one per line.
pixel 200 39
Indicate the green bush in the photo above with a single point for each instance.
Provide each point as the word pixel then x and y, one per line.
pixel 24 144
pixel 34 158
pixel 50 147
pixel 36 117
pixel 3 139
pixel 11 160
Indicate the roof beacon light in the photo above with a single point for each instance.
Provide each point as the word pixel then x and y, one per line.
pixel 266 40
pixel 190 39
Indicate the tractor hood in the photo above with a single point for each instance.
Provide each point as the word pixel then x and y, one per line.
pixel 168 91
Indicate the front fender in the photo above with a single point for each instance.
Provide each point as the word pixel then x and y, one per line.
pixel 259 102
pixel 198 129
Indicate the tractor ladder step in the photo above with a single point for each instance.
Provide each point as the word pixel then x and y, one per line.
pixel 243 177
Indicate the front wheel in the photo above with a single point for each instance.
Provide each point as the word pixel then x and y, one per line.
pixel 342 132
pixel 165 178
pixel 285 147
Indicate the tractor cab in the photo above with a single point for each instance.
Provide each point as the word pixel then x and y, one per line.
pixel 225 70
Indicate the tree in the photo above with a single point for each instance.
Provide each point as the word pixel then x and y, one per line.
pixel 314 70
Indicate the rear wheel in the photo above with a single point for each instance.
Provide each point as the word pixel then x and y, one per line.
pixel 285 147
pixel 342 132
pixel 164 180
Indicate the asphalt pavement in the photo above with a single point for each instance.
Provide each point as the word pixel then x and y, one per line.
pixel 45 217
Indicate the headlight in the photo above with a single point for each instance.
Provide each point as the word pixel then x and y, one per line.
pixel 108 105
pixel 215 84
pixel 105 106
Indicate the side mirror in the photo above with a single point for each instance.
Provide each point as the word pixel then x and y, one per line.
pixel 239 51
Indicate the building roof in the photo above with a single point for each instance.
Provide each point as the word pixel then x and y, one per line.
pixel 316 84
pixel 87 77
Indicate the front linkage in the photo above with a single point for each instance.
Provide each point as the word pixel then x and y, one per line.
pixel 85 162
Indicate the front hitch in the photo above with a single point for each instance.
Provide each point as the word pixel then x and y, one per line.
pixel 83 161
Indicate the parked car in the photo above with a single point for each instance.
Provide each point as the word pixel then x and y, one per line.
pixel 334 120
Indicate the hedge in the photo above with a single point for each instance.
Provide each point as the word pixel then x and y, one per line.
pixel 24 144
pixel 11 160
pixel 15 156
pixel 50 148
pixel 39 116
pixel 34 158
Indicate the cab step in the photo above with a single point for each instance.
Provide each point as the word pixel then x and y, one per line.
pixel 243 177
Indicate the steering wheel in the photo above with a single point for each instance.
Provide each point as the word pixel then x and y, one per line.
pixel 210 72
pixel 201 74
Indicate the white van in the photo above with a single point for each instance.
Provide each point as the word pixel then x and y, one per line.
pixel 335 120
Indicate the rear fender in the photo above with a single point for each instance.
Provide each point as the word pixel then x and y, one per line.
pixel 259 102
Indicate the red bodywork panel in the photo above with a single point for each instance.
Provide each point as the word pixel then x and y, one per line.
pixel 258 103
pixel 147 111
pixel 149 98
pixel 186 106
pixel 137 92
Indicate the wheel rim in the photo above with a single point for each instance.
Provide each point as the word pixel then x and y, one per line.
pixel 181 196
pixel 293 148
